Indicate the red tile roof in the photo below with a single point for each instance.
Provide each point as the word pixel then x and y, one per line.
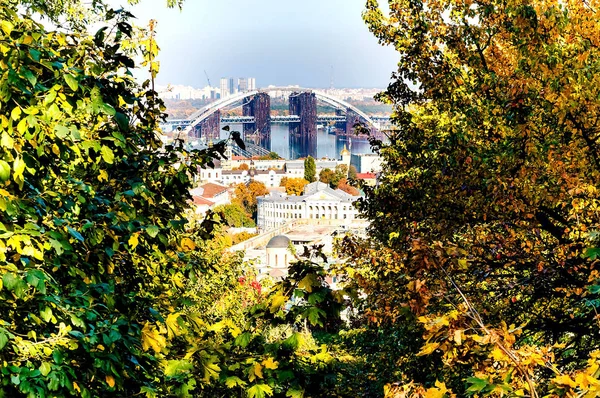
pixel 365 176
pixel 211 190
pixel 199 201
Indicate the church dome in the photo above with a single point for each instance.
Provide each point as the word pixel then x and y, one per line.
pixel 279 242
pixel 345 151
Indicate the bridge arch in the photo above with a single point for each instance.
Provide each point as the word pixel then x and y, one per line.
pixel 205 112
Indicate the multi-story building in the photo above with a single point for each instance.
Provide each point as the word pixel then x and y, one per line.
pixel 242 84
pixel 232 86
pixel 224 87
pixel 319 201
pixel 366 162
pixel 251 84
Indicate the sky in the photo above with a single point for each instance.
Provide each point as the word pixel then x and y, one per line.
pixel 279 42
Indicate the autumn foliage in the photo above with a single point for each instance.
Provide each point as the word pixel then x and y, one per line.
pixel 484 221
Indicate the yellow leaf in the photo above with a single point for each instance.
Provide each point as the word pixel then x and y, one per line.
pixel 308 282
pixel 133 241
pixel 172 325
pixel 564 380
pixel 498 355
pixel 277 301
pixel 76 387
pixel 110 381
pixel 428 349
pixel 103 176
pixel 255 371
pixel 270 364
pixel 436 392
pixel 187 244
pixel 151 338
pixel 458 337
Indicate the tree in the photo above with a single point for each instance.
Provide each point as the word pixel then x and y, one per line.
pixel 246 194
pixel 352 172
pixel 295 186
pixel 480 223
pixel 310 169
pixel 270 156
pixel 92 212
pixel 326 175
pixel 234 215
pixel 341 172
pixel 344 186
pixel 243 166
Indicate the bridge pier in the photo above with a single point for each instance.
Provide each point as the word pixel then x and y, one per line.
pixel 210 128
pixel 303 135
pixel 259 106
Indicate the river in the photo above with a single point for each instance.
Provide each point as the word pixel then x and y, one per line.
pixel 328 145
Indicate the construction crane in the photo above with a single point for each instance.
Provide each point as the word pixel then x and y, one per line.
pixel 207 78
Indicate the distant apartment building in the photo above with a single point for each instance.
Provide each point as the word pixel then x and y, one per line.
pixel 231 87
pixel 251 84
pixel 242 84
pixel 224 87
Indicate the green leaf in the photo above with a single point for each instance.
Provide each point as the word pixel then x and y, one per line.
pixel 592 253
pixel 75 234
pixel 3 340
pixel 9 280
pixel 152 230
pixel 259 391
pixel 122 121
pixel 477 384
pixel 292 342
pixel 45 368
pixel 177 367
pixel 46 314
pixel 107 155
pixel 243 339
pixel 72 82
pixel 294 393
pixel 4 170
pixel 61 131
pixel 234 381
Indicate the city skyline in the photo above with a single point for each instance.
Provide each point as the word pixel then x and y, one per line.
pixel 307 44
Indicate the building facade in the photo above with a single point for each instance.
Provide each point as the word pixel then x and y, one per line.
pixel 319 201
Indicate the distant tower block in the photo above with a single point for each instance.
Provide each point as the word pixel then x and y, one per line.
pixel 210 128
pixel 303 135
pixel 259 106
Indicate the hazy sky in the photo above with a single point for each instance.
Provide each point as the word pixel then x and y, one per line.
pixel 280 42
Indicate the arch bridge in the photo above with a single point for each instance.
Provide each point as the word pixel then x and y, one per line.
pixel 257 117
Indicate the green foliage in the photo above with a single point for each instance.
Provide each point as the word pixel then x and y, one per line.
pixel 234 215
pixel 270 156
pixel 352 172
pixel 310 169
pixel 326 175
pixel 92 246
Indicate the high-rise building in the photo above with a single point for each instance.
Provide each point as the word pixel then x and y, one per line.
pixel 224 87
pixel 231 86
pixel 242 84
pixel 251 84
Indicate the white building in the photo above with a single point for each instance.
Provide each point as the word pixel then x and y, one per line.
pixel 366 162
pixel 318 202
pixel 251 84
pixel 224 87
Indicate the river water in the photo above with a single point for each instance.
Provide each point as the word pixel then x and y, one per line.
pixel 328 145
